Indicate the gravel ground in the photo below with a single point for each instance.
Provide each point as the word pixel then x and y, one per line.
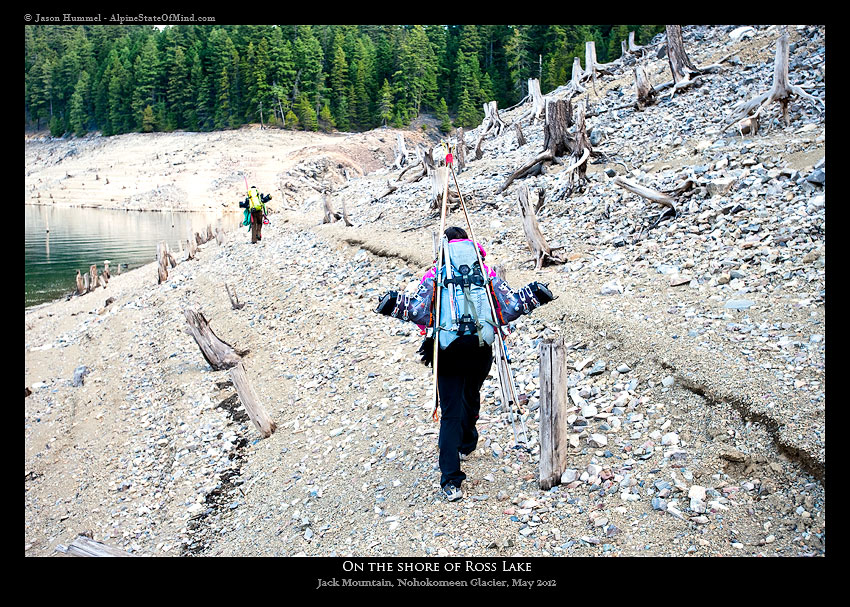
pixel 696 349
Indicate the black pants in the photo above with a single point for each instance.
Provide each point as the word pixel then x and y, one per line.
pixel 461 370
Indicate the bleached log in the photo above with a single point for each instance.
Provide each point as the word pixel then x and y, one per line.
pixel 249 400
pixel 218 353
pixel 87 547
pixel 645 192
pixel 781 91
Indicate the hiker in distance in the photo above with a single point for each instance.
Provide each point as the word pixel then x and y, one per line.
pixel 465 333
pixel 255 212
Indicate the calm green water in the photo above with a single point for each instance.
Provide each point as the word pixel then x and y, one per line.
pixel 81 237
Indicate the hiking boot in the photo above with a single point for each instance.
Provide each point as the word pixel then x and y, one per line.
pixel 451 493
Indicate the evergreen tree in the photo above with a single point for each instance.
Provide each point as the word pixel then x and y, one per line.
pixel 467 114
pixel 145 69
pixel 78 105
pixel 148 121
pixel 443 116
pixel 386 103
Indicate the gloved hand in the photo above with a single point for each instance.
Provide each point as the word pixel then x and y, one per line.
pixel 426 351
pixel 541 292
pixel 244 204
pixel 386 303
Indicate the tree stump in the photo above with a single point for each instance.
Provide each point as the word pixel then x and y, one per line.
pixel 781 92
pixel 538 104
pixel 554 404
pixel 106 273
pixel 93 277
pixel 461 150
pixel 646 95
pixel 81 286
pixel 491 121
pixel 218 353
pixel 162 263
pixel 345 214
pixel 533 235
pixel 556 140
pixel 520 138
pixel 249 400
pixel 330 215
pixel 234 299
pixel 401 153
pixel 634 48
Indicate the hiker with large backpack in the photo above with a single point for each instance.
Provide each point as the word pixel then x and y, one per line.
pixel 465 332
pixel 255 212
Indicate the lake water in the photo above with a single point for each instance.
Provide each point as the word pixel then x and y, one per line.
pixel 80 237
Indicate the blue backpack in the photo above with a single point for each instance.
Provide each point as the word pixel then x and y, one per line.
pixel 464 305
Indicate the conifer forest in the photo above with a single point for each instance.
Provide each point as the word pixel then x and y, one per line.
pixel 120 79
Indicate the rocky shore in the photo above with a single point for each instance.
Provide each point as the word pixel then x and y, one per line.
pixel 697 356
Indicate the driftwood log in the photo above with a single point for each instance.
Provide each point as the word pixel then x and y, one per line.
pixel 249 400
pixel 88 547
pixel 533 234
pixel 219 354
pixel 781 92
pixel 554 407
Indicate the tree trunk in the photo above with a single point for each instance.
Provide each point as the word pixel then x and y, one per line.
pixel 538 104
pixel 249 400
pixel 461 150
pixel 330 215
pixel 554 405
pixel 219 354
pixel 401 152
pixel 781 91
pixel 646 95
pixel 491 121
pixel 93 277
pixel 162 263
pixel 520 138
pixel 556 140
pixel 680 64
pixel 533 235
pixel 345 214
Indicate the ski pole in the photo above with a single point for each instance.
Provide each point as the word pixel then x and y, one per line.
pixel 500 339
pixel 438 295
